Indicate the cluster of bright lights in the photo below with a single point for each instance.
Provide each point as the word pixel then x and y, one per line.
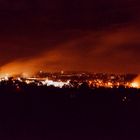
pixel 4 77
pixel 59 84
pixel 135 85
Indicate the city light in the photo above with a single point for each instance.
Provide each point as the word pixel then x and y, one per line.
pixel 59 84
pixel 71 80
pixel 135 84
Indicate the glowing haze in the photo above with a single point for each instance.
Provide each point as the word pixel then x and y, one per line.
pixel 94 36
pixel 136 82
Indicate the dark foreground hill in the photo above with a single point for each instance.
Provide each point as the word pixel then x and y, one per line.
pixel 38 113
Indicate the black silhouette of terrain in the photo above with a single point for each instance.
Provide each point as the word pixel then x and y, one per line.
pixel 48 113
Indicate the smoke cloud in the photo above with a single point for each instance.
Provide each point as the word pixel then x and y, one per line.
pixel 114 50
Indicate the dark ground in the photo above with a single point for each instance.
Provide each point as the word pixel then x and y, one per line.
pixel 39 113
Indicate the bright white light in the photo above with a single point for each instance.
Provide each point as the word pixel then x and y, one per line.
pixel 59 84
pixel 19 79
pixel 6 78
pixel 135 85
pixel 27 81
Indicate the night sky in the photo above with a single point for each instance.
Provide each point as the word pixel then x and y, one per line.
pixel 79 35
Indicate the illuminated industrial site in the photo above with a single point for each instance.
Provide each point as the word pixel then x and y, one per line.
pixel 71 80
